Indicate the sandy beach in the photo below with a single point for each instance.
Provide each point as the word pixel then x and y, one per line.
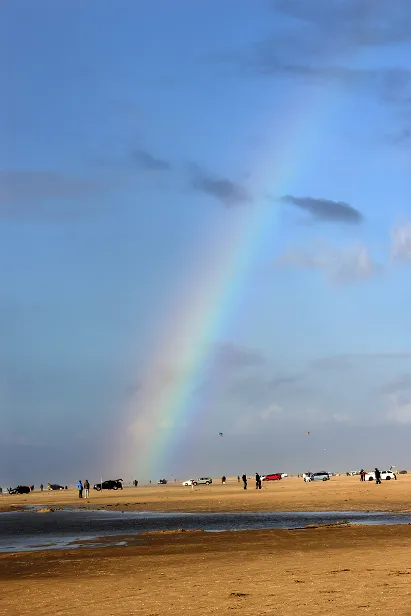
pixel 340 570
pixel 292 494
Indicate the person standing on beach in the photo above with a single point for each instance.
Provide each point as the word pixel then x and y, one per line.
pixel 86 489
pixel 362 473
pixel 41 487
pixel 244 478
pixel 80 489
pixel 238 478
pixel 377 476
pixel 257 481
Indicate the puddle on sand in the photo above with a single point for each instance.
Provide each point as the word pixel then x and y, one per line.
pixel 62 529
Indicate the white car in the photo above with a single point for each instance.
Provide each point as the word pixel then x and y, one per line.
pixel 385 475
pixel 284 475
pixel 189 482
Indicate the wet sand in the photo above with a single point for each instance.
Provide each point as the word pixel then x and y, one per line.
pixel 291 494
pixel 342 571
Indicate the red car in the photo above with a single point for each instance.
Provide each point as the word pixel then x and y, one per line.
pixel 272 477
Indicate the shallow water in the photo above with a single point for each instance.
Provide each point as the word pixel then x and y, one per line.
pixel 27 531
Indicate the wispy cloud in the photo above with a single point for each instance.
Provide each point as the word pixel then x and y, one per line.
pixel 400 138
pixel 342 361
pixel 325 210
pixel 344 266
pixel 231 356
pixel 305 46
pixel 401 242
pixel 148 162
pixel 354 23
pixel 43 195
pixel 228 192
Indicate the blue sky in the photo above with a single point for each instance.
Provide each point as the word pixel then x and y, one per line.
pixel 137 138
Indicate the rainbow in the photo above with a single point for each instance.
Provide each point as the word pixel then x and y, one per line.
pixel 198 320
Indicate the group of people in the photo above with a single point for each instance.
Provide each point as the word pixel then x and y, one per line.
pixel 86 488
pixel 258 481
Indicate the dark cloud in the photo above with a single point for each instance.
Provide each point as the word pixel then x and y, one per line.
pixel 326 210
pixel 43 195
pixel 226 191
pixel 149 163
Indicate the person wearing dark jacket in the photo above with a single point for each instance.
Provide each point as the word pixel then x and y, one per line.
pixel 257 482
pixel 377 476
pixel 244 478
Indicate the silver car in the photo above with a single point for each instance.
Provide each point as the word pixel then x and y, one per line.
pixel 202 481
pixel 321 476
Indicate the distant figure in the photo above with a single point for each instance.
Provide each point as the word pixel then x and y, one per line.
pixel 41 487
pixel 49 486
pixel 362 473
pixel 80 489
pixel 31 488
pixel 238 478
pixel 244 478
pixel 223 479
pixel 377 476
pixel 150 480
pixel 86 489
pixel 257 481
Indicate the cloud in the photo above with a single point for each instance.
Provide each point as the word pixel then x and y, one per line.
pixel 345 360
pixel 305 46
pixel 32 195
pixel 354 23
pixel 226 191
pixel 400 138
pixel 401 242
pixel 229 356
pixel 148 162
pixel 325 210
pixel 400 384
pixel 353 264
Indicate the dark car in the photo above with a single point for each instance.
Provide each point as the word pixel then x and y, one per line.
pixel 55 486
pixel 20 490
pixel 272 477
pixel 110 484
pixel 403 473
pixel 162 481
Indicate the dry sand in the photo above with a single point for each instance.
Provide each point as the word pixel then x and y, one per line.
pixel 292 494
pixel 325 571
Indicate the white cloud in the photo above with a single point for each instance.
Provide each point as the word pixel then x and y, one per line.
pixel 341 266
pixel 401 242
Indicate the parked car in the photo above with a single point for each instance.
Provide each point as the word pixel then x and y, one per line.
pixel 321 476
pixel 385 475
pixel 284 475
pixel 19 490
pixel 205 481
pixel 162 481
pixel 55 486
pixel 403 473
pixel 189 482
pixel 271 477
pixel 110 484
